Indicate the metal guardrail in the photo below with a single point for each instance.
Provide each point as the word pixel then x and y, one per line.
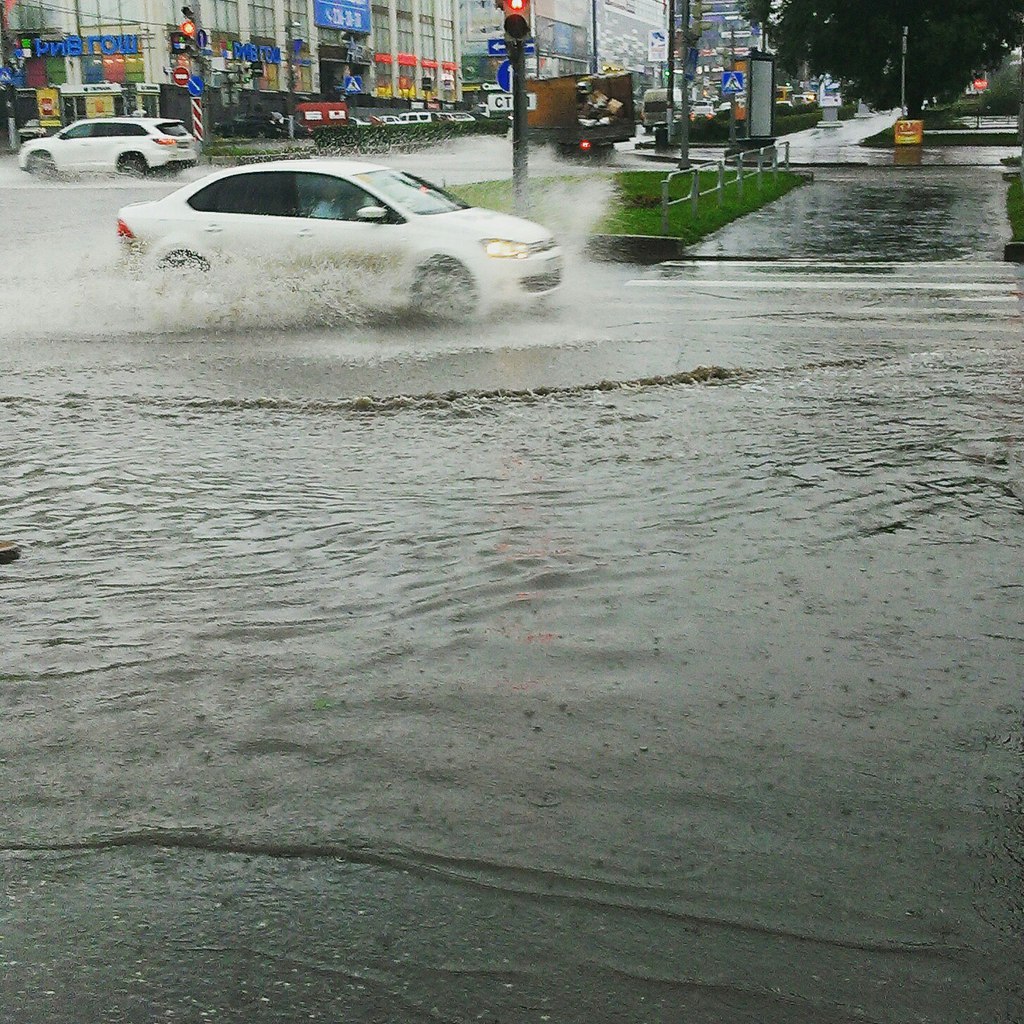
pixel 736 165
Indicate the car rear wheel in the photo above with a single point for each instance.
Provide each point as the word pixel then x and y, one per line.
pixel 184 259
pixel 444 288
pixel 132 164
pixel 42 165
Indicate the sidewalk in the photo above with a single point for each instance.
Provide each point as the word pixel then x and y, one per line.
pixel 839 146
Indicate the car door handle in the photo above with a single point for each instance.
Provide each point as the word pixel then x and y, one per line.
pixel 213 229
pixel 305 232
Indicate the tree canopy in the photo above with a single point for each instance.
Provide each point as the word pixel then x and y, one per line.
pixel 859 42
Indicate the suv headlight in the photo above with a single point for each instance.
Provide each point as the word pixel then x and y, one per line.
pixel 504 248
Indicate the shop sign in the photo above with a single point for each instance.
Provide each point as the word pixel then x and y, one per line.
pixel 347 15
pixel 48 103
pixel 255 54
pixel 85 46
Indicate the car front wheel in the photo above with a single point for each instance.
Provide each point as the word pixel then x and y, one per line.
pixel 444 288
pixel 42 165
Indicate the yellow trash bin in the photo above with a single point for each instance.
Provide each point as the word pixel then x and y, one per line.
pixel 909 133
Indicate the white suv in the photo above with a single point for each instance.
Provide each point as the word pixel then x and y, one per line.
pixel 131 145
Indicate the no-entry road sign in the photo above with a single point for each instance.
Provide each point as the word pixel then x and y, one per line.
pixel 180 76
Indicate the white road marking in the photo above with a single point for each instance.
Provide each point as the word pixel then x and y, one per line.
pixel 791 284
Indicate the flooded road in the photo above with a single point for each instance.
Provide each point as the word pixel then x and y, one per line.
pixel 360 669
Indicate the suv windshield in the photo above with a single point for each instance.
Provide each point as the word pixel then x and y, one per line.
pixel 172 128
pixel 413 193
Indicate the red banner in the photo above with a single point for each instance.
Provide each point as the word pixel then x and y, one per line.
pixel 428 63
pixel 407 60
pixel 382 58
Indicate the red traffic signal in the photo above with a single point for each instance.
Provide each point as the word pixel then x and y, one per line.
pixel 188 28
pixel 517 19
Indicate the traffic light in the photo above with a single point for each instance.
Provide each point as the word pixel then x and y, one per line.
pixel 188 24
pixel 517 19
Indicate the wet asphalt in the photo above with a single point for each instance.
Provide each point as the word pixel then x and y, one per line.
pixel 652 658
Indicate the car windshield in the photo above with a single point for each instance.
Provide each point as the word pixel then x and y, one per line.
pixel 172 128
pixel 410 192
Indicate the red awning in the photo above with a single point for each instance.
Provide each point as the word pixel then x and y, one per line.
pixel 382 58
pixel 448 65
pixel 407 60
pixel 428 63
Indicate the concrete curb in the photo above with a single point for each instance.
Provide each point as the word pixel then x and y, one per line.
pixel 642 249
pixel 1013 252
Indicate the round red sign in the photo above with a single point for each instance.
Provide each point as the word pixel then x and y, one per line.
pixel 180 76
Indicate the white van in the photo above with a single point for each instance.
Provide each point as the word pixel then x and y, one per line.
pixel 415 117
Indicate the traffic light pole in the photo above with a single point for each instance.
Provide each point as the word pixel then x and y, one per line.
pixel 520 187
pixel 684 133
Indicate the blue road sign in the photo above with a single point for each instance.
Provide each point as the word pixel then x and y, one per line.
pixel 733 82
pixel 353 83
pixel 195 85
pixel 202 39
pixel 498 48
pixel 6 76
pixel 504 76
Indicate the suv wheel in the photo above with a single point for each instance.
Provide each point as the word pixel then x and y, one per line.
pixel 184 259
pixel 132 164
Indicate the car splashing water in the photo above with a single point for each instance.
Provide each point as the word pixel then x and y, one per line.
pixel 73 276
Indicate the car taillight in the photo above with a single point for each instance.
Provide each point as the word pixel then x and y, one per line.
pixel 123 231
pixel 166 142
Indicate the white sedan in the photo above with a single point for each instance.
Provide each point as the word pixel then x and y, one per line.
pixel 445 257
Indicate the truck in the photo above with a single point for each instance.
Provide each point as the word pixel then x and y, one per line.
pixel 582 114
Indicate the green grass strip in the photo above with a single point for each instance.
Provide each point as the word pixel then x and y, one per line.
pixel 635 208
pixel 1015 209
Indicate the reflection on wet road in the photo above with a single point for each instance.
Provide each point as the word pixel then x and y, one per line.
pixel 517 672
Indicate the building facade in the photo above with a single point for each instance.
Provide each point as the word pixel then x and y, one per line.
pixel 104 57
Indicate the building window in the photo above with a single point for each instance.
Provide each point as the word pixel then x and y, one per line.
pixel 261 18
pixel 381 30
pixel 427 46
pixel 225 17
pixel 406 42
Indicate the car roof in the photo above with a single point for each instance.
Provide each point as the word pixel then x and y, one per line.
pixel 324 166
pixel 130 120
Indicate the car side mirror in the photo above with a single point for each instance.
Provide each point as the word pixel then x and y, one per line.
pixel 372 214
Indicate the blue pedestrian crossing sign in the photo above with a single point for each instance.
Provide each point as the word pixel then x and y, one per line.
pixel 6 76
pixel 353 83
pixel 733 82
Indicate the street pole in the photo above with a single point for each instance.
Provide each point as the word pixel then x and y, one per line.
pixel 595 66
pixel 8 93
pixel 520 189
pixel 684 141
pixel 290 100
pixel 903 74
pixel 670 103
pixel 732 96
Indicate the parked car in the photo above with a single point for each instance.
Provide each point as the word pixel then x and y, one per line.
pixel 416 117
pixel 130 145
pixel 702 109
pixel 443 256
pixel 384 120
pixel 254 126
pixel 456 115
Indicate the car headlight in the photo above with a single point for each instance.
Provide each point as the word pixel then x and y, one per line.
pixel 504 248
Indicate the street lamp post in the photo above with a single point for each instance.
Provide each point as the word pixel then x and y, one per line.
pixel 293 27
pixel 903 74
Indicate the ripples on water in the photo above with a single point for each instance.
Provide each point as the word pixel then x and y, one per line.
pixel 684 687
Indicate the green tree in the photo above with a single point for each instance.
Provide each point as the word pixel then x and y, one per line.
pixel 859 42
